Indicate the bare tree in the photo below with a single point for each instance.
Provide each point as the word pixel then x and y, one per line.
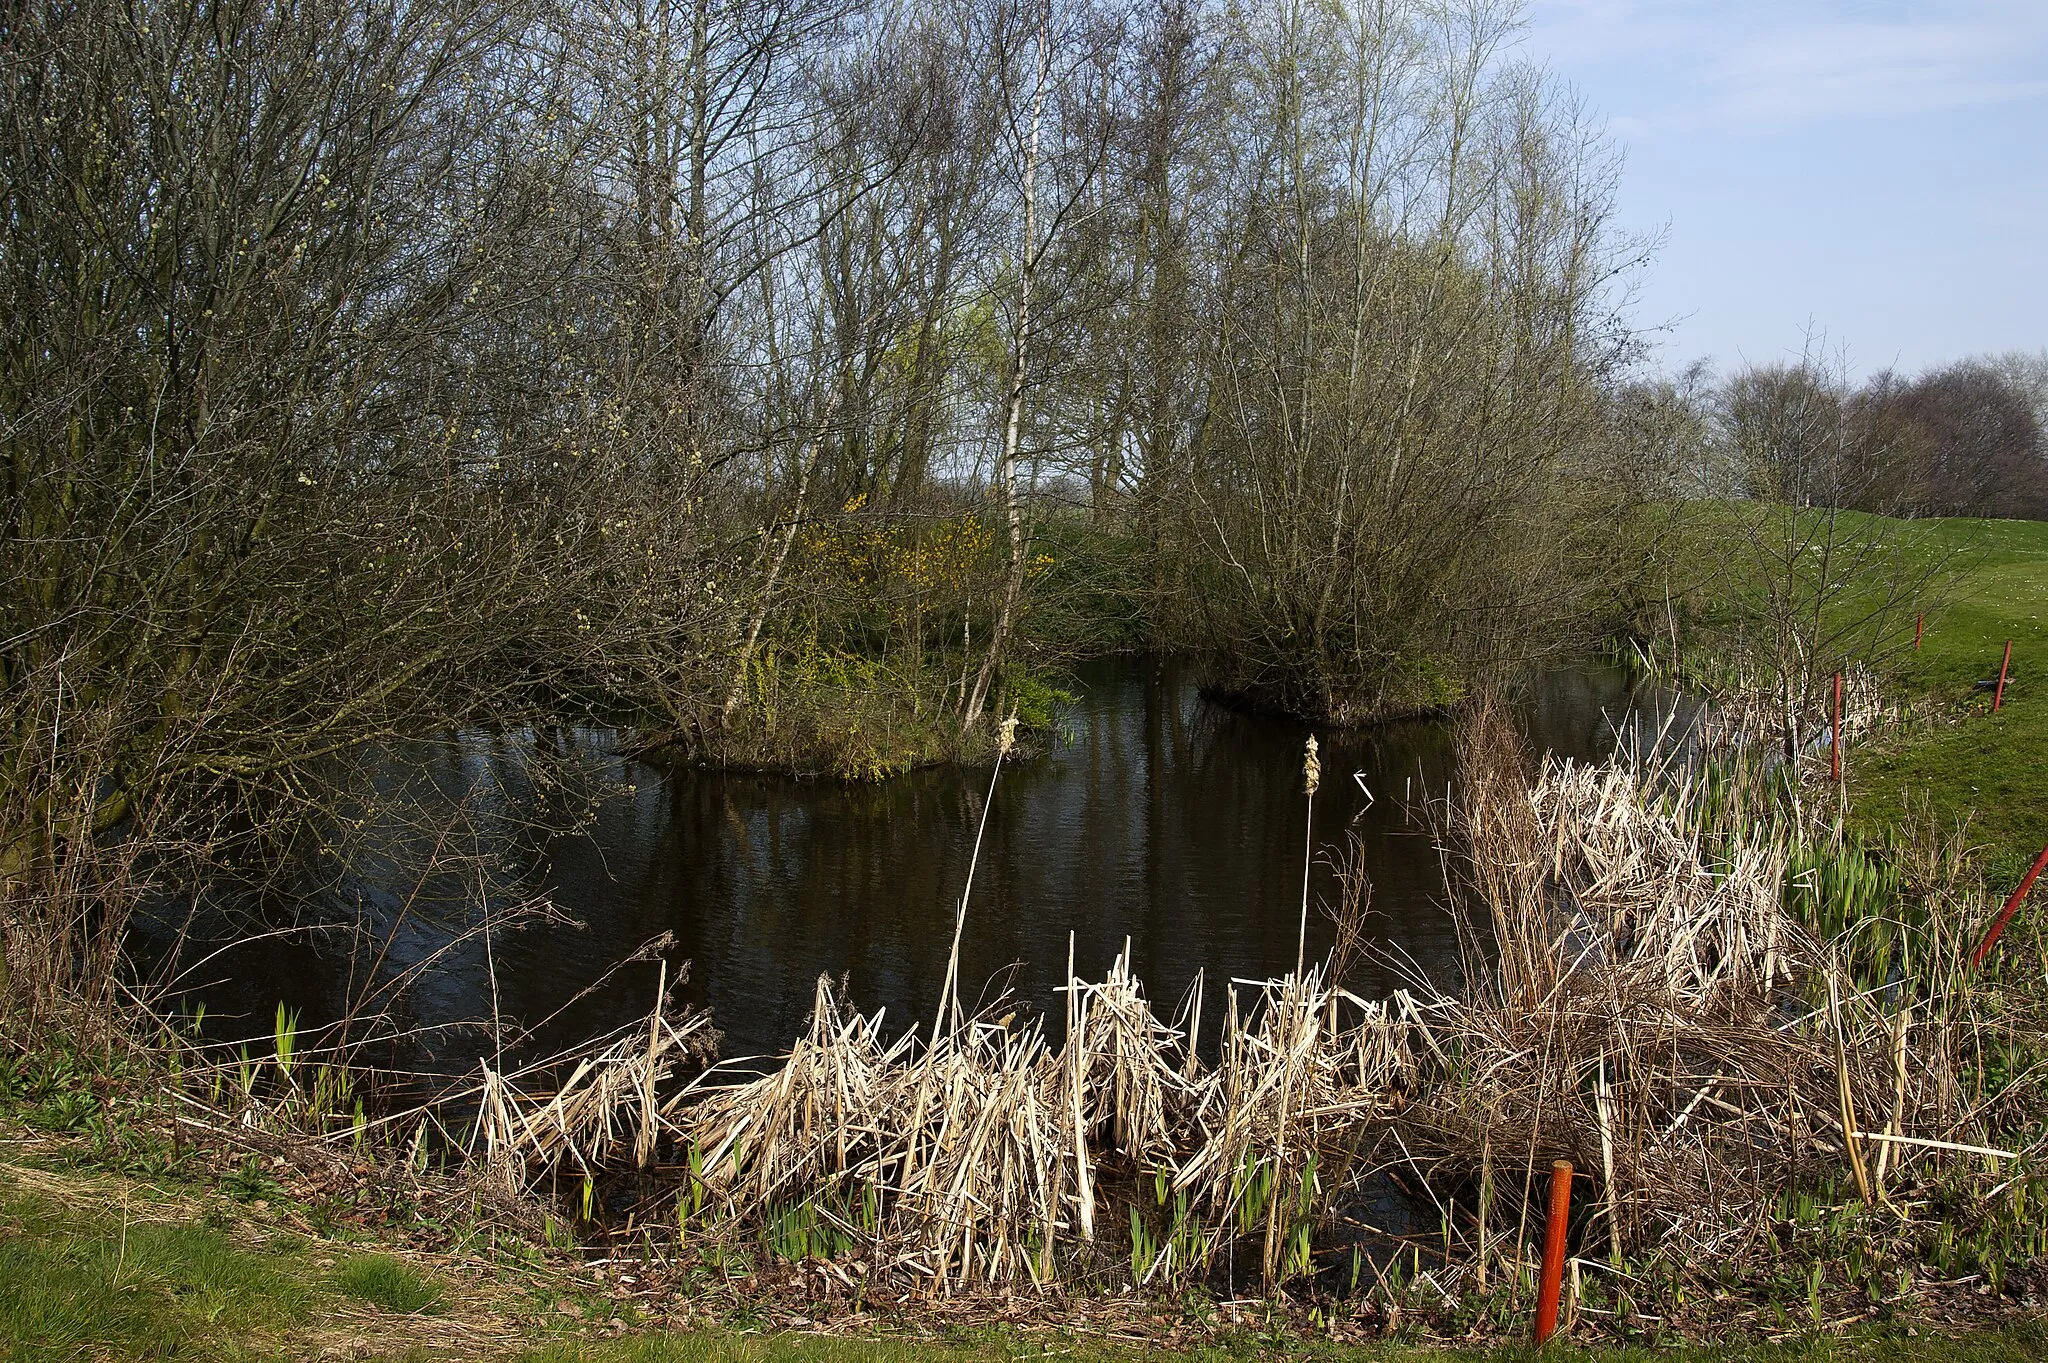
pixel 1960 441
pixel 1411 334
pixel 1811 586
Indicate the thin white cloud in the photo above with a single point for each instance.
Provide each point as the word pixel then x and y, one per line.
pixel 1759 62
pixel 1865 68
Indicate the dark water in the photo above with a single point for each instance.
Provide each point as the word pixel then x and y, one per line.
pixel 1159 818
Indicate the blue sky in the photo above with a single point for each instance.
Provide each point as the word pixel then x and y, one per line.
pixel 1876 169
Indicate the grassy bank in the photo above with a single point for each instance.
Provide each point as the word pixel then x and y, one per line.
pixel 1956 756
pixel 106 1267
pixel 1765 603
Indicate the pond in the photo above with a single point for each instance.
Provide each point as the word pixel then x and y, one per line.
pixel 1157 818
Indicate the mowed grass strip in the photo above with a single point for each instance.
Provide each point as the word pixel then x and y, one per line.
pixel 81 1281
pixel 95 1267
pixel 79 1285
pixel 1989 768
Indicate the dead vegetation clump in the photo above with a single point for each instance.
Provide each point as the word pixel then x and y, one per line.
pixel 1755 1043
pixel 1646 1014
pixel 1644 1005
pixel 993 1157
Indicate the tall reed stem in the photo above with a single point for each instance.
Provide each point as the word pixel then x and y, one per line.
pixel 1004 741
pixel 1311 777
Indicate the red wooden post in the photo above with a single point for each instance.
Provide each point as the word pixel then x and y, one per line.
pixel 1553 1250
pixel 2005 914
pixel 1919 628
pixel 1836 756
pixel 1998 696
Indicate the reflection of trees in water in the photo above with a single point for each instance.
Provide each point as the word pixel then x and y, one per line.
pixel 1165 818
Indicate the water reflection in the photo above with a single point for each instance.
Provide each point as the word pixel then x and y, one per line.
pixel 1160 820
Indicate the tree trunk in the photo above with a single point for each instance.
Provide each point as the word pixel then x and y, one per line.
pixel 1013 418
pixel 807 463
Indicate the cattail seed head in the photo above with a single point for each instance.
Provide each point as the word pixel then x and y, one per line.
pixel 1007 737
pixel 1311 767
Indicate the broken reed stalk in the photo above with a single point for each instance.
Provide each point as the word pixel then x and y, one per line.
pixel 1604 1108
pixel 644 1145
pixel 1903 1024
pixel 1848 1100
pixel 1479 1255
pixel 1835 742
pixel 1085 1201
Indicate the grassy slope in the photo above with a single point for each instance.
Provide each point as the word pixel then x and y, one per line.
pixel 1991 767
pixel 104 1268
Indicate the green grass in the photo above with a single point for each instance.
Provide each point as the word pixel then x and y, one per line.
pixel 82 1278
pixel 77 1285
pixel 385 1282
pixel 1987 582
pixel 1990 768
pixel 104 1268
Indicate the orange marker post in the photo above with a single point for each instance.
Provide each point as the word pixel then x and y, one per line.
pixel 1919 628
pixel 1998 696
pixel 2005 914
pixel 1553 1250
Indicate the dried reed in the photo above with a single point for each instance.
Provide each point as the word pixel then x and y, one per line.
pixel 1641 1002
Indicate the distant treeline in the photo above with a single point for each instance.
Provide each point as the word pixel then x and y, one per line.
pixel 1966 439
